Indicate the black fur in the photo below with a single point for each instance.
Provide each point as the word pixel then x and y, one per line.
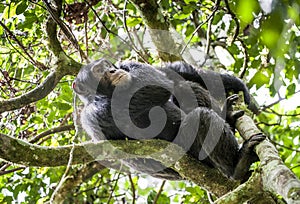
pixel 198 128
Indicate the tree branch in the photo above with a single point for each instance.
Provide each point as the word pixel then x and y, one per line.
pixel 21 152
pixel 51 131
pixel 217 4
pixel 36 94
pixel 64 66
pixel 251 191
pixel 64 28
pixel 158 29
pixel 132 188
pixel 159 192
pixel 276 177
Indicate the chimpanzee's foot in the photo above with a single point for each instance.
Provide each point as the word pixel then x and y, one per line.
pixel 249 145
pixel 247 157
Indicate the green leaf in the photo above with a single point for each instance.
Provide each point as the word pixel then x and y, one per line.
pixel 131 22
pixel 291 90
pixel 2 7
pixel 188 9
pixel 21 7
pixel 51 116
pixel 217 18
pixel 271 30
pixel 181 16
pixel 5 14
pixel 190 190
pixel 190 1
pixel 165 4
pixel 30 19
pixel 259 79
pixel 163 199
pixel 62 106
pixel 245 10
pixel 37 120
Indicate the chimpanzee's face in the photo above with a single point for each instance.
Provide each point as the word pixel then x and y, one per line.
pixel 103 78
pixel 99 77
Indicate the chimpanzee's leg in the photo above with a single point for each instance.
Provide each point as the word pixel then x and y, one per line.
pixel 216 143
pixel 247 157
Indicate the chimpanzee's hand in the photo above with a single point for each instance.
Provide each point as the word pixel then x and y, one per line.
pixel 232 116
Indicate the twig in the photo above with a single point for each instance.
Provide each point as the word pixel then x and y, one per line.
pixel 195 14
pixel 275 102
pixel 159 192
pixel 33 2
pixel 4 165
pixel 295 167
pixel 271 111
pixel 196 30
pixel 24 81
pixel 207 48
pixel 128 34
pixel 269 124
pixel 236 33
pixel 40 65
pixel 12 170
pixel 64 176
pixel 65 119
pixel 209 196
pixel 86 34
pixel 104 26
pixel 112 190
pixel 246 59
pixel 51 131
pixel 65 29
pixel 132 188
pixel 286 147
pixel 8 80
pixel 141 44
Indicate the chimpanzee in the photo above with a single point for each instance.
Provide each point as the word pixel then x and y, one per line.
pixel 177 103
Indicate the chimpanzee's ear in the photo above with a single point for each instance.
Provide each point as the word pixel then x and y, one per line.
pixel 100 67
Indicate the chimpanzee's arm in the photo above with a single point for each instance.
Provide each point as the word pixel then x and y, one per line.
pixel 206 77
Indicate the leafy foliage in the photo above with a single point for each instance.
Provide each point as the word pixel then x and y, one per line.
pixel 261 41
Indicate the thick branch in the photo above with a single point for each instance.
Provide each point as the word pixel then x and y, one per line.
pixel 64 66
pixel 251 191
pixel 276 177
pixel 36 94
pixel 21 152
pixel 159 29
pixel 54 44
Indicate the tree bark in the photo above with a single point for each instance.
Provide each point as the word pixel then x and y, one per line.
pixel 159 30
pixel 171 155
pixel 276 177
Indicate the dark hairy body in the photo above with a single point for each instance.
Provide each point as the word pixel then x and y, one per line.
pixel 122 103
